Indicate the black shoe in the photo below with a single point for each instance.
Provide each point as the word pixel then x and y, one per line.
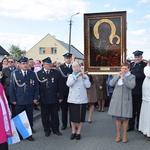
pixel 78 137
pixel 130 129
pixel 57 132
pixel 33 131
pixel 30 138
pixel 140 132
pixel 63 128
pixel 47 134
pixel 73 136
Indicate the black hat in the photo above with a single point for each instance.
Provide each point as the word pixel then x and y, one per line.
pixel 23 60
pixel 47 60
pixel 67 55
pixel 137 53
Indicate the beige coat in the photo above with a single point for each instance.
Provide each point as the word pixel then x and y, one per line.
pixel 91 92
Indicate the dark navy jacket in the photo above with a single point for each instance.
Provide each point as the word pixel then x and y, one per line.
pixel 65 71
pixel 26 94
pixel 137 70
pixel 51 90
pixel 110 88
pixel 6 72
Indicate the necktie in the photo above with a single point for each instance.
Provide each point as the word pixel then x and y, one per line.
pixel 68 66
pixel 25 74
pixel 11 69
pixel 47 72
pixel 134 65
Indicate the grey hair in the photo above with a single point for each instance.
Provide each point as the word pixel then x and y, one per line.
pixel 75 63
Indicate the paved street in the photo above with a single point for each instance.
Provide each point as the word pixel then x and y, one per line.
pixel 99 135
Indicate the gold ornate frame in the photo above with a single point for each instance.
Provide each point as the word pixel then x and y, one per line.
pixel 104 42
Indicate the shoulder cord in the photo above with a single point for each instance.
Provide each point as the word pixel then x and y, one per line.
pixel 65 76
pixel 20 85
pixel 41 81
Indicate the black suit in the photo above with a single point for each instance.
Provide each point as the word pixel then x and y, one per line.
pixel 137 70
pixel 50 91
pixel 65 71
pixel 6 73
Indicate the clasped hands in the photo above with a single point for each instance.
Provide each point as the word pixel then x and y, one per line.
pixel 80 74
pixel 121 74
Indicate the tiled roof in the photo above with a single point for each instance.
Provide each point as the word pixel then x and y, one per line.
pixel 73 50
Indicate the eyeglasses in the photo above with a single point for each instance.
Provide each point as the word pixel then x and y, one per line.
pixel 10 62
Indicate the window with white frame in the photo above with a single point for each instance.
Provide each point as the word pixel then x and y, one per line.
pixel 53 50
pixel 42 50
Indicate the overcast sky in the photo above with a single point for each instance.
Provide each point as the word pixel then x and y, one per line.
pixel 25 22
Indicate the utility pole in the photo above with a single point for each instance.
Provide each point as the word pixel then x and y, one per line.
pixel 70 25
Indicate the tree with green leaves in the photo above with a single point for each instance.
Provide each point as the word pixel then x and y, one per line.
pixel 16 52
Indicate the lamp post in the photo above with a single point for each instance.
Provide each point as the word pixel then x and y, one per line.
pixel 70 24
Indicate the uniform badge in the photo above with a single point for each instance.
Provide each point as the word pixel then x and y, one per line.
pixel 31 82
pixel 52 80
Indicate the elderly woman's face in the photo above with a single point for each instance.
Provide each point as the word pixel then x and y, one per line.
pixel 76 68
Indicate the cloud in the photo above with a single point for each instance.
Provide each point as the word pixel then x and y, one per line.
pixel 107 5
pixel 138 32
pixel 147 17
pixel 130 11
pixel 42 9
pixel 138 39
pixel 144 1
pixel 141 22
pixel 24 41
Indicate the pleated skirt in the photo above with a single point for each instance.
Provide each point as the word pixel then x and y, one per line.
pixel 77 112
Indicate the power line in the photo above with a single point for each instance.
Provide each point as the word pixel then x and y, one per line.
pixel 66 33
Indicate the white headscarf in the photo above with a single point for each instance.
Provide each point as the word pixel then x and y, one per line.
pixel 120 81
